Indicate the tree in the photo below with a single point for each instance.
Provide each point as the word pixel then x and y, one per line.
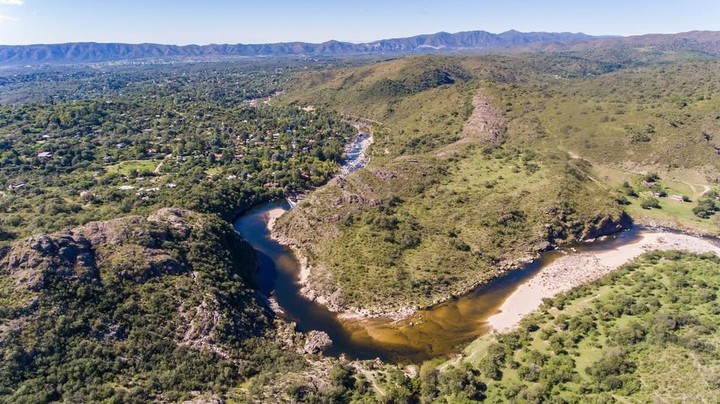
pixel 650 203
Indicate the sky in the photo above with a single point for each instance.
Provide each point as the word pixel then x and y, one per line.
pixel 184 22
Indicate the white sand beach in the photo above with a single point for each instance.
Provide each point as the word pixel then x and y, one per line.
pixel 576 269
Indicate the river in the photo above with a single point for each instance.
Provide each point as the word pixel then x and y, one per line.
pixel 440 330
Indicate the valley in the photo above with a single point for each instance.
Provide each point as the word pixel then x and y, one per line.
pixel 526 225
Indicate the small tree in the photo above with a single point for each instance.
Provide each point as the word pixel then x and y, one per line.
pixel 650 203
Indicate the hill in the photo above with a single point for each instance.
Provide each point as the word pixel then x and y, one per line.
pixel 703 42
pixel 135 308
pixel 443 205
pixel 481 162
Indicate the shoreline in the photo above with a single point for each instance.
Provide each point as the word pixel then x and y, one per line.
pixel 565 273
pixel 272 216
pixel 304 273
pixel 350 313
pixel 571 271
pixel 343 312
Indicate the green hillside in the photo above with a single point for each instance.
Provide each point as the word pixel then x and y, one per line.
pixel 442 203
pixel 133 309
pixel 659 118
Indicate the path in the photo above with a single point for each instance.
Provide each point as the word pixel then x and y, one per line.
pixel 159 166
pixel 706 187
pixel 361 119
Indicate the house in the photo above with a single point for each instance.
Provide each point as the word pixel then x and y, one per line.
pixel 45 155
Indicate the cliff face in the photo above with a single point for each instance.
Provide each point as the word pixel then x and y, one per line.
pixel 605 226
pixel 167 298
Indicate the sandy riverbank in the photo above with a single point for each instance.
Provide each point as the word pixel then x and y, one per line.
pixel 272 216
pixel 574 270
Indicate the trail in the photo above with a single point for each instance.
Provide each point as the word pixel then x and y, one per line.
pixel 577 157
pixel 361 119
pixel 159 166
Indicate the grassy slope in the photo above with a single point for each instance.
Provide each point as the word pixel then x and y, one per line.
pixel 421 221
pixel 659 118
pixel 657 316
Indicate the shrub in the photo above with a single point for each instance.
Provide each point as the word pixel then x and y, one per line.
pixel 650 203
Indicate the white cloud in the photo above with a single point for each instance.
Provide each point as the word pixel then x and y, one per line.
pixel 12 2
pixel 7 18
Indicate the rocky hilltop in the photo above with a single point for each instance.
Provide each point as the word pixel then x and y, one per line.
pixel 134 305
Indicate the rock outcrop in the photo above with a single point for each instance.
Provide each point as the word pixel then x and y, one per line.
pixel 132 296
pixel 317 341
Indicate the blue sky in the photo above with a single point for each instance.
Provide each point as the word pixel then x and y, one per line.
pixel 242 21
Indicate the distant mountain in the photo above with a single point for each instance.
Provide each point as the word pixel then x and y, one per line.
pixel 707 42
pixel 105 52
pixel 470 41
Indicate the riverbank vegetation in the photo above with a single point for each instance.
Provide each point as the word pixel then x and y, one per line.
pixel 642 333
pixel 645 332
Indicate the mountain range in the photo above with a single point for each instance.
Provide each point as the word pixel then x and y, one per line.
pixel 469 41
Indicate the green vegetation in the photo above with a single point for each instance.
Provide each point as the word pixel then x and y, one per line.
pixel 131 310
pixel 635 125
pixel 162 138
pixel 441 205
pixel 477 162
pixel 707 205
pixel 644 332
pixel 569 142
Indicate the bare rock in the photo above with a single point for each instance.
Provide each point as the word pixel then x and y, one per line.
pixel 317 341
pixel 384 175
